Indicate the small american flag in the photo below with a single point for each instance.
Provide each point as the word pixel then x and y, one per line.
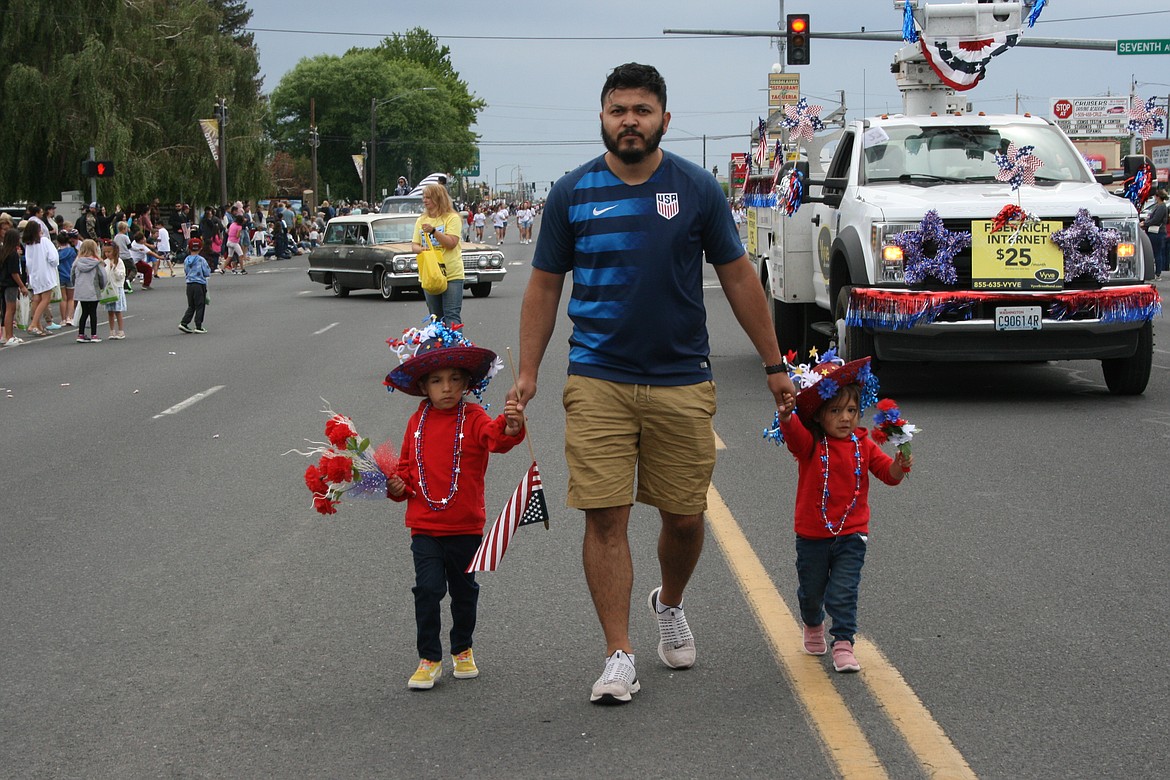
pixel 762 146
pixel 525 507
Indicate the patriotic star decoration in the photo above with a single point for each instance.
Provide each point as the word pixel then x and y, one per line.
pixel 1145 119
pixel 1017 165
pixel 802 120
pixel 931 235
pixel 1086 247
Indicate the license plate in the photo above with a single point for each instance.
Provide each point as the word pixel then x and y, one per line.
pixel 1018 318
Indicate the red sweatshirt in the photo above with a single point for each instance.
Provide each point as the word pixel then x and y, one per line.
pixel 464 513
pixel 810 482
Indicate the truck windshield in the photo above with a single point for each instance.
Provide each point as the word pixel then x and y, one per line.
pixel 933 154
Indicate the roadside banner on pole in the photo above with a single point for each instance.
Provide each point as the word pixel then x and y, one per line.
pixel 211 133
pixel 359 162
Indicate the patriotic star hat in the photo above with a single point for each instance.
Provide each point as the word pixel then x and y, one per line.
pixel 819 383
pixel 435 346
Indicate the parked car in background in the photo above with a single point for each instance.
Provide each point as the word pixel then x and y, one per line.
pixel 373 252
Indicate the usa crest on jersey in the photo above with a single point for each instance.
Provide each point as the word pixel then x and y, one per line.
pixel 667 203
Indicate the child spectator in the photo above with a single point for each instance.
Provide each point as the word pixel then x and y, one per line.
pixel 834 457
pixel 162 245
pixel 139 251
pixel 235 246
pixel 66 254
pixel 196 270
pixel 12 282
pixel 88 280
pixel 115 271
pixel 440 475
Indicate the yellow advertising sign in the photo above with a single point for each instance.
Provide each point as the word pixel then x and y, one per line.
pixel 1019 257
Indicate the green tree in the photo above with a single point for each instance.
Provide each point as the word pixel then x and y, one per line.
pixel 427 118
pixel 130 80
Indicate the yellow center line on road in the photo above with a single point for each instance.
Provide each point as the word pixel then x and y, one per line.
pixel 844 743
pixel 824 706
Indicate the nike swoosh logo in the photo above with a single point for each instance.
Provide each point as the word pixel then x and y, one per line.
pixel 599 212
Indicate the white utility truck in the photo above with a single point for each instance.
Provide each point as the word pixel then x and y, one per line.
pixel 837 269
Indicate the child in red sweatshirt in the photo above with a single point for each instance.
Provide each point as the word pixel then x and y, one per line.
pixel 835 457
pixel 440 476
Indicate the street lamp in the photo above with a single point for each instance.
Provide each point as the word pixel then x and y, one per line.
pixel 374 103
pixel 497 175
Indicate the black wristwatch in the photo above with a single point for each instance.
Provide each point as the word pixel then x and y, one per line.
pixel 775 368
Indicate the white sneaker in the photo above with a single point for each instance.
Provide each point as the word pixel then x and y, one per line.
pixel 12 342
pixel 618 683
pixel 676 644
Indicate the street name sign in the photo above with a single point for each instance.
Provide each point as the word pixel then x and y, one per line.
pixel 1147 46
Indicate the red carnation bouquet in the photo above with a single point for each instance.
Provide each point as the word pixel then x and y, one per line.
pixel 889 426
pixel 346 466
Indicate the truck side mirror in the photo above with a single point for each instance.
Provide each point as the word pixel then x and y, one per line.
pixel 1104 178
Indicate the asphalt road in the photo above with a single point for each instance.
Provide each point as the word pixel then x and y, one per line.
pixel 172 606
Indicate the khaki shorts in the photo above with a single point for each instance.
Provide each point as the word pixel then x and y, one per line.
pixel 663 432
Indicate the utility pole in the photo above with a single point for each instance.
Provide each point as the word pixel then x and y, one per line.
pixel 314 142
pixel 221 115
pixel 373 148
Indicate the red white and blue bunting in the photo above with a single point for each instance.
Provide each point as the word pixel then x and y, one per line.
pixel 870 307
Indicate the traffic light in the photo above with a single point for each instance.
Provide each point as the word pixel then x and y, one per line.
pixel 97 168
pixel 797 35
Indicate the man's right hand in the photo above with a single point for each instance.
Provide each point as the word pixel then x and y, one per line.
pixel 522 392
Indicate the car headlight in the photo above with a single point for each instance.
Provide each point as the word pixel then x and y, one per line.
pixel 482 262
pixel 497 260
pixel 1126 252
pixel 890 262
pixel 400 264
pixel 414 264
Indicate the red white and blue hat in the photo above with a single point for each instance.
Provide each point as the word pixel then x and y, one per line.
pixel 435 346
pixel 819 382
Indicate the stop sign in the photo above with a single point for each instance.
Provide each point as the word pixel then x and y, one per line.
pixel 1063 109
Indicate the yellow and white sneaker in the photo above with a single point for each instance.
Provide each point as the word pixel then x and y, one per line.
pixel 464 664
pixel 424 677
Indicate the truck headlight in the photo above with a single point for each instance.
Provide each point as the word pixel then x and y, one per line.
pixel 1126 267
pixel 890 261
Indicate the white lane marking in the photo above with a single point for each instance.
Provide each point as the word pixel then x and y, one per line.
pixel 327 327
pixel 181 405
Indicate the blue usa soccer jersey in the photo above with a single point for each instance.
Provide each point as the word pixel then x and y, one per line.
pixel 636 255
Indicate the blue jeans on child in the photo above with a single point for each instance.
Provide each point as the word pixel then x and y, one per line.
pixel 447 307
pixel 829 572
pixel 440 564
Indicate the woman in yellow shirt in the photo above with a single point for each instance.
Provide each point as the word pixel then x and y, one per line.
pixel 441 225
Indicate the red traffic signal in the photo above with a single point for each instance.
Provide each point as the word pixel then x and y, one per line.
pixel 796 32
pixel 97 168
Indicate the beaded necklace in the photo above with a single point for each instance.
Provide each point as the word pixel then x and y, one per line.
pixel 825 488
pixel 456 457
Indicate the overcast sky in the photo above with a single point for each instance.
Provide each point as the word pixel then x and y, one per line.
pixel 539 64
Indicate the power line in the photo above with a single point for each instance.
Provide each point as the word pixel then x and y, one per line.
pixel 660 38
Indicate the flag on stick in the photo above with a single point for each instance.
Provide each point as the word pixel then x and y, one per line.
pixel 526 506
pixel 762 146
